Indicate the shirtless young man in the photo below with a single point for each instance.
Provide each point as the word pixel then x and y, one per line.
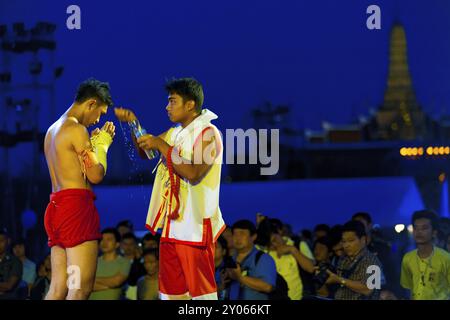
pixel 75 160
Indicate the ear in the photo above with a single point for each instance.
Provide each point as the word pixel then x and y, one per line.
pixel 254 237
pixel 190 105
pixel 91 103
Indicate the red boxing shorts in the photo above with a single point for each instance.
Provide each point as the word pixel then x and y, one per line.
pixel 187 271
pixel 71 218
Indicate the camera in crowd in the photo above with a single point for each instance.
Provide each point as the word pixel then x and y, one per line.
pixel 321 275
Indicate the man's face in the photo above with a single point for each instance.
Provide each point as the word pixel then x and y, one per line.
pixel 276 240
pixel 19 250
pixel 321 252
pixel 150 244
pixel 128 247
pixel 151 264
pixel 423 231
pixel 93 112
pixel 242 239
pixel 108 243
pixel 320 234
pixel 351 243
pixel 3 244
pixel 123 230
pixel 177 109
pixel 338 250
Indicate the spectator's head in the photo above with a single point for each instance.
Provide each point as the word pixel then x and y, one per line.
pixel 124 227
pixel 18 248
pixel 221 251
pixel 321 249
pixel 425 226
pixel 110 240
pixel 321 230
pixel 95 98
pixel 128 244
pixel 4 241
pixel 44 268
pixel 306 235
pixel 264 232
pixel 150 241
pixel 287 231
pixel 185 98
pixel 276 225
pixel 353 238
pixel 335 239
pixel 151 259
pixel 244 235
pixel 365 219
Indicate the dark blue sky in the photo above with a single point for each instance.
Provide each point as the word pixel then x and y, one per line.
pixel 317 56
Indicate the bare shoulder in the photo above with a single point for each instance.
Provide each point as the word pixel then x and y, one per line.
pixel 75 133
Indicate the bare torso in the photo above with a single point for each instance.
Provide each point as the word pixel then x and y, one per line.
pixel 62 159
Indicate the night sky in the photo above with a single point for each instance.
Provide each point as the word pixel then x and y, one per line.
pixel 317 56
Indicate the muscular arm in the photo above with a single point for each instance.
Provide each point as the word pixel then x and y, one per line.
pixel 139 150
pixel 193 171
pixel 82 145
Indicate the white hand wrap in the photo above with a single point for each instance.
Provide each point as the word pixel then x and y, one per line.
pixel 100 143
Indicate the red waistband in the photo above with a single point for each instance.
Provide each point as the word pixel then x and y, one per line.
pixel 72 193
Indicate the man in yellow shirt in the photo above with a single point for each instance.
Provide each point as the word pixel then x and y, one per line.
pixel 426 270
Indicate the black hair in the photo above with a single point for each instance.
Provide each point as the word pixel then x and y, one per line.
pixel 355 226
pixel 245 225
pixel 149 236
pixel 263 232
pixel 188 89
pixel 276 224
pixel 125 223
pixel 363 215
pixel 306 234
pixel 335 235
pixel 112 231
pixel 92 88
pixel 323 240
pixel 427 214
pixel 154 252
pixel 18 242
pixel 129 235
pixel 322 227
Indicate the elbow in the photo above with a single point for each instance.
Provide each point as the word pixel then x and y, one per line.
pixel 95 179
pixel 193 178
pixel 97 175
